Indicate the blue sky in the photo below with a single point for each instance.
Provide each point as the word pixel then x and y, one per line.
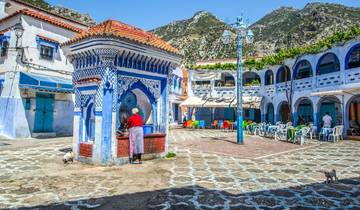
pixel 149 14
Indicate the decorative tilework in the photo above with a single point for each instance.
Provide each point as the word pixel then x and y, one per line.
pixel 124 83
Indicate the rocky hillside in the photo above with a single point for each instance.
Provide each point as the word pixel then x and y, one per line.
pixel 199 37
pixel 66 12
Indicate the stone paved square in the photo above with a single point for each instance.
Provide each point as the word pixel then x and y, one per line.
pixel 32 176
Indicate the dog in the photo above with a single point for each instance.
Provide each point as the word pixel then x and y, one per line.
pixel 330 176
pixel 68 157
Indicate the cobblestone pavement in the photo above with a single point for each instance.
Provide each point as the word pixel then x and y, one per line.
pixel 31 174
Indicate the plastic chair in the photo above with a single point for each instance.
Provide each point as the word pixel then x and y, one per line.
pixel 214 124
pixel 189 123
pixel 302 134
pixel 195 123
pixel 202 124
pixel 226 125
pixel 337 133
pixel 220 123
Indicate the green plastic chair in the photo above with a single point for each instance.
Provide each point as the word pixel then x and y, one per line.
pixel 196 123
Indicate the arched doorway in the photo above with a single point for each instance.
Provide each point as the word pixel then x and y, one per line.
pixel 352 59
pixel 251 78
pixel 270 114
pixel 332 106
pixel 303 70
pixel 269 77
pixel 328 63
pixel 284 112
pixel 283 74
pixel 354 116
pixel 304 112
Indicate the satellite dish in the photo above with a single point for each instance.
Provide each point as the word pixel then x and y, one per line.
pixel 8 5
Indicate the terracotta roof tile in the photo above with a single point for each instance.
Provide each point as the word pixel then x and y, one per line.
pixel 43 17
pixel 48 39
pixel 112 28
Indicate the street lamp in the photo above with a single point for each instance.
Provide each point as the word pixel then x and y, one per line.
pixel 242 32
pixel 19 31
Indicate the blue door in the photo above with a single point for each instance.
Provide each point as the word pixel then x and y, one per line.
pixel 44 113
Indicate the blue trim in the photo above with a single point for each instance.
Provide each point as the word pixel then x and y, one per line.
pixel 267 74
pixel 295 119
pixel 279 71
pixel 347 57
pixel 143 88
pixel 132 74
pixel 106 126
pixel 4 38
pixel 320 59
pixel 40 82
pixel 44 42
pixel 93 87
pixel 297 68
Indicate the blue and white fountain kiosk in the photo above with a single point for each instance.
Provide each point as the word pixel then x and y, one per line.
pixel 118 67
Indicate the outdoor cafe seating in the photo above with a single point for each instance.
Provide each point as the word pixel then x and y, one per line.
pixel 280 131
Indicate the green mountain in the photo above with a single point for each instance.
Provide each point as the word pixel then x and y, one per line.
pixel 199 37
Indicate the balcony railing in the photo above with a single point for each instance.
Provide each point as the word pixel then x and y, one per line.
pixel 269 90
pixel 225 91
pixel 352 75
pixel 251 90
pixel 282 87
pixel 303 84
pixel 330 79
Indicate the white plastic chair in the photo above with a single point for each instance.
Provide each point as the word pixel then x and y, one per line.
pixel 302 134
pixel 337 133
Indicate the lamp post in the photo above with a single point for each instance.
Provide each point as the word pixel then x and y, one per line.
pixel 19 31
pixel 242 33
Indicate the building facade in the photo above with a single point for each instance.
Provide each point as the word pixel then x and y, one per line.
pixel 176 97
pixel 36 94
pixel 313 85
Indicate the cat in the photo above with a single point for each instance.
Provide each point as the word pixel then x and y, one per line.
pixel 330 176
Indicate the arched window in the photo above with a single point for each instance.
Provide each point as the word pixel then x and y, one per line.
pixel 269 77
pixel 4 48
pixel 251 78
pixel 303 70
pixel 283 74
pixel 226 80
pixel 353 57
pixel 328 63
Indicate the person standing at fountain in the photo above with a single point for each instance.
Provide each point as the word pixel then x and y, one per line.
pixel 136 136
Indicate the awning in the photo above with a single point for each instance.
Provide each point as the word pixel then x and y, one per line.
pixel 218 102
pixel 248 102
pixel 335 92
pixel 193 102
pixel 46 83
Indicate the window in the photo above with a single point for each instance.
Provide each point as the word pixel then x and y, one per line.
pixel 46 52
pixel 4 48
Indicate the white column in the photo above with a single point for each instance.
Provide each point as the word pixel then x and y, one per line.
pixel 113 137
pixel 76 140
